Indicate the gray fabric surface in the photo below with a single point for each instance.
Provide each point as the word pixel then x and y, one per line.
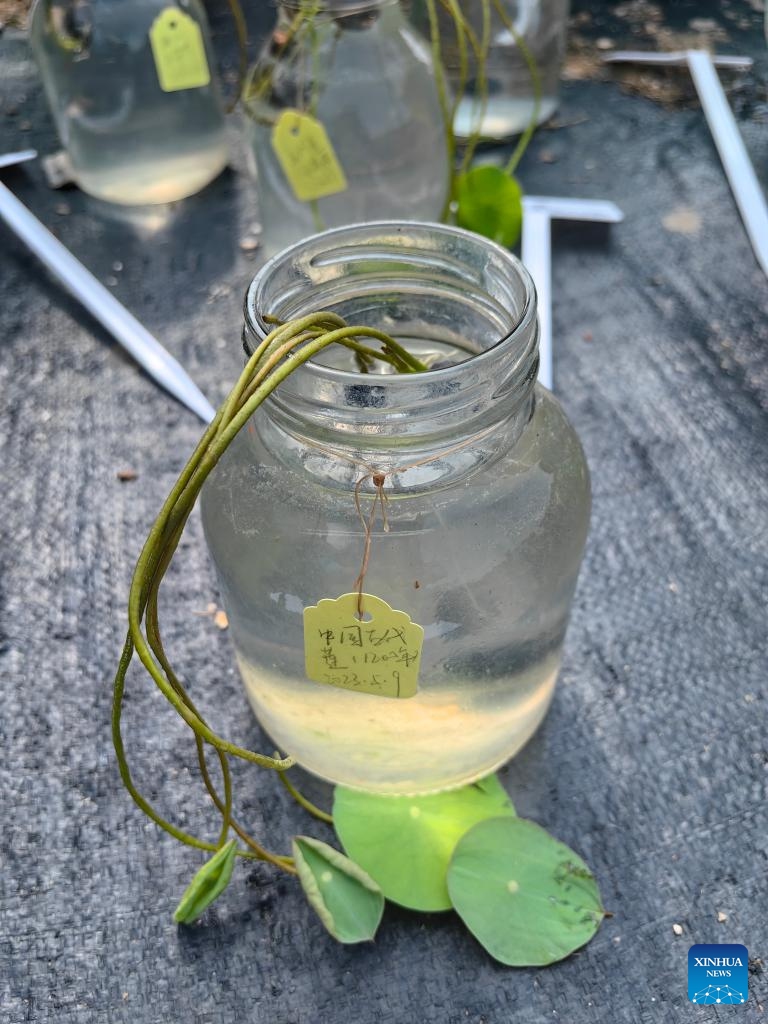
pixel 653 760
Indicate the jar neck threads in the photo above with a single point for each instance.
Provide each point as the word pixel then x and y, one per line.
pixel 463 304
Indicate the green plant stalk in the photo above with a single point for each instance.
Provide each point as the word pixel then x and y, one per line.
pixel 180 501
pixel 480 53
pixel 314 100
pixel 533 70
pixel 284 862
pixel 454 10
pixel 302 801
pixel 155 642
pixel 161 525
pixel 394 353
pixel 136 605
pixel 281 352
pixel 225 807
pixel 119 687
pixel 482 80
pixel 445 105
pixel 241 32
pixel 179 489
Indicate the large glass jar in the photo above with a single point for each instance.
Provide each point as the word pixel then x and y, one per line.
pixel 358 72
pixel 542 25
pixel 488 507
pixel 132 90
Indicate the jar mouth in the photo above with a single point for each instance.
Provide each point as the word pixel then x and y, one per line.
pixel 362 270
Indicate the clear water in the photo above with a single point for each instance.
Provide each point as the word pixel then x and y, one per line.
pixel 510 107
pixel 128 141
pixel 485 560
pixel 157 179
pixel 503 116
pixel 373 91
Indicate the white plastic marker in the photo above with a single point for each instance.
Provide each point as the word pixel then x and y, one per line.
pixel 122 325
pixel 536 251
pixel 749 197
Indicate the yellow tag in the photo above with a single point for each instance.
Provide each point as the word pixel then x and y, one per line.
pixel 379 656
pixel 179 51
pixel 307 157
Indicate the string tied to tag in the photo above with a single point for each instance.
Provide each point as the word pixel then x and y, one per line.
pixel 380 500
pixel 378 478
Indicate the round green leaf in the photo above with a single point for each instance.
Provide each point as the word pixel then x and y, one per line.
pixel 347 901
pixel 490 203
pixel 524 895
pixel 405 843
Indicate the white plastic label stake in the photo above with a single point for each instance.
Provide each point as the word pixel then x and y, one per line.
pixel 733 153
pixel 746 189
pixel 536 249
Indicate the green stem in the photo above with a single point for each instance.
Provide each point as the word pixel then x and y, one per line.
pixel 453 8
pixel 302 801
pixel 241 31
pixel 125 772
pixel 314 100
pixel 482 81
pixel 533 70
pixel 445 106
pixel 480 53
pixel 394 353
pixel 279 354
pixel 225 806
pixel 285 863
pixel 156 565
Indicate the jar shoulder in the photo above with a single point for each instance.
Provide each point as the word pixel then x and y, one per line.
pixel 386 56
pixel 542 476
pixel 549 440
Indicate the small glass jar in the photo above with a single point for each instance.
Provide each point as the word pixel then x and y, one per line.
pixel 543 26
pixel 138 128
pixel 488 508
pixel 364 74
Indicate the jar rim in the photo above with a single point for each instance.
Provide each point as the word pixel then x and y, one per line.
pixel 254 304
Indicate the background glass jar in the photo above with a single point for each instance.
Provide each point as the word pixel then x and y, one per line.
pixel 543 26
pixel 486 528
pixel 129 140
pixel 363 72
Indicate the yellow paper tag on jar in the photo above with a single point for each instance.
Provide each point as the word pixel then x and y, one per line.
pixel 307 157
pixel 179 51
pixel 378 654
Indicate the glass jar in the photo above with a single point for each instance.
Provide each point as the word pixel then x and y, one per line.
pixel 362 72
pixel 543 26
pixel 141 123
pixel 487 508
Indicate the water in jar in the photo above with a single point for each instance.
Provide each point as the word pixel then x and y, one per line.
pixel 510 105
pixel 369 82
pixel 127 140
pixel 486 563
pixel 505 114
